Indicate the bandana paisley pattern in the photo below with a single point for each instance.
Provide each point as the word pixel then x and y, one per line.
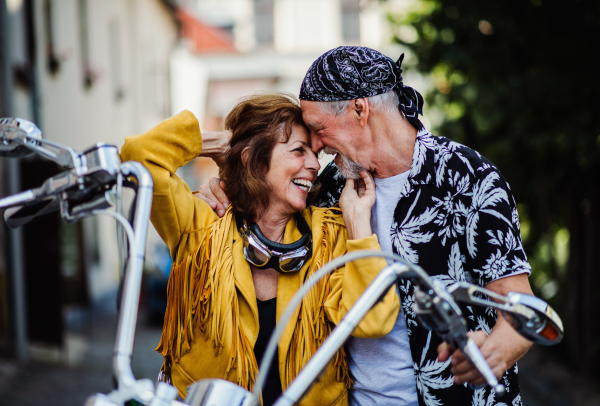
pixel 457 219
pixel 348 73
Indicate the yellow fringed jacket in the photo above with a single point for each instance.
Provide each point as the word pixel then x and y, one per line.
pixel 211 322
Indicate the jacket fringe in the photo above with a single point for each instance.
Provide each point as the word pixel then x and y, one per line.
pixel 201 293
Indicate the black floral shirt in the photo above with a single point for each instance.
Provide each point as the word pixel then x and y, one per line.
pixel 457 219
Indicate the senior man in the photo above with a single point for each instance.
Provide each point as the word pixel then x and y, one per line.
pixel 440 205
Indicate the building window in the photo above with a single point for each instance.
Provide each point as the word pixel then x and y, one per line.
pixel 263 22
pixel 350 21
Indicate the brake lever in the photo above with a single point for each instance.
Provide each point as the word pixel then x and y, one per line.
pixel 465 293
pixel 472 353
pixel 438 311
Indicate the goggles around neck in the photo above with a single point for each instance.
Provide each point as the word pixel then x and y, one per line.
pixel 264 253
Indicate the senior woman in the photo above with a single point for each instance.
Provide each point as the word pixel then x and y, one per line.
pixel 233 276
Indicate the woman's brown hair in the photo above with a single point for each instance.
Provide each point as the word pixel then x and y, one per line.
pixel 258 122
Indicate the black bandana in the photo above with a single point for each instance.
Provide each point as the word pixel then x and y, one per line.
pixel 348 73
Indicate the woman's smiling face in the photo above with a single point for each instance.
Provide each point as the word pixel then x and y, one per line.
pixel 293 169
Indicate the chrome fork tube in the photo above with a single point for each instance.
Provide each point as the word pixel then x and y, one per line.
pixel 133 276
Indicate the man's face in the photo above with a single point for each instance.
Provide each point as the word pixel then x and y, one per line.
pixel 334 135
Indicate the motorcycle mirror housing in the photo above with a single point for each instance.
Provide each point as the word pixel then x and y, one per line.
pixel 534 319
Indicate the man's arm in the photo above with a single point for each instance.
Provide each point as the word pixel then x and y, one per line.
pixel 501 349
pixel 213 193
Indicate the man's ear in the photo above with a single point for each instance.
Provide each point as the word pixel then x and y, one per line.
pixel 244 154
pixel 360 110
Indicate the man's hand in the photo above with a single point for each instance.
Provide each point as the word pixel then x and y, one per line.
pixel 213 193
pixel 356 201
pixel 215 145
pixel 463 370
pixel 501 349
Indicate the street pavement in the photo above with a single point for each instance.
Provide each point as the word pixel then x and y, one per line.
pixel 70 380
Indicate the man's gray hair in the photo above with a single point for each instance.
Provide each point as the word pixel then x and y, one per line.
pixel 385 103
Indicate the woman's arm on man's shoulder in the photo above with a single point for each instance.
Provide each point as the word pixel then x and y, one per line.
pixel 162 150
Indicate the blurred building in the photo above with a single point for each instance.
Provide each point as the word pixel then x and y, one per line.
pixel 87 71
pixel 263 45
pixel 84 71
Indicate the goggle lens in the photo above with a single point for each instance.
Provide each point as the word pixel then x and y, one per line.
pixel 254 253
pixel 293 261
pixel 257 254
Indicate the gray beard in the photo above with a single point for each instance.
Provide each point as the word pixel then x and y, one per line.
pixel 347 167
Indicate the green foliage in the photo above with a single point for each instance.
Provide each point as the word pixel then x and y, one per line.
pixel 517 81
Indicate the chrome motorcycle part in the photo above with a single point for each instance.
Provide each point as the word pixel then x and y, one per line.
pixel 15 134
pixel 530 316
pixel 218 392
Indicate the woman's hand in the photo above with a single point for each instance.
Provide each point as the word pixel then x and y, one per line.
pixel 215 145
pixel 356 201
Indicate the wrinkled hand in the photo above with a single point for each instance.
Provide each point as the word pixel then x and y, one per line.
pixel 356 201
pixel 215 145
pixel 463 370
pixel 213 193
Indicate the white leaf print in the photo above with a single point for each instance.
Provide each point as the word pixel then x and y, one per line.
pixel 485 197
pixel 494 240
pixel 482 325
pixel 521 265
pixel 455 264
pixel 445 151
pixel 506 383
pixel 428 376
pixel 456 271
pixel 471 316
pixel 496 266
pixel 410 316
pixel 422 143
pixel 450 209
pixel 409 232
pixel 515 219
pixel 479 398
pixel 484 166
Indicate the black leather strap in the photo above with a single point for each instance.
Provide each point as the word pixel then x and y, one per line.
pixel 275 246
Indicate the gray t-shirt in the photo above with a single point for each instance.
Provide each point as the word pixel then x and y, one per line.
pixel 382 368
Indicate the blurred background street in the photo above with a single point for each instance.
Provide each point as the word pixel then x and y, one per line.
pixel 515 80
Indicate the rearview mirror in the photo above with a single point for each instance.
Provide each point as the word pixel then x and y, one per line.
pixel 534 319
